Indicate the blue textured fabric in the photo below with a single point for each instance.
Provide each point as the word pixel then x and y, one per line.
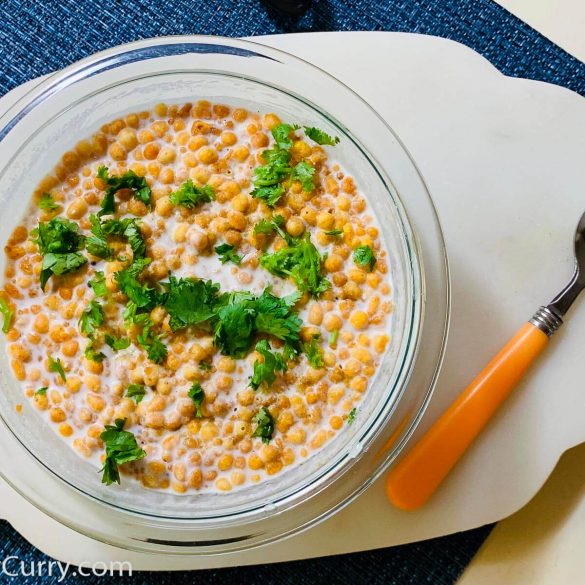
pixel 39 36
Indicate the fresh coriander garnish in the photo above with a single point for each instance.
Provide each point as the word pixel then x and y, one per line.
pixel 301 262
pixel 98 284
pixel 143 296
pixel 92 354
pixel 334 233
pixel 351 416
pixel 59 242
pixel 47 203
pixel 205 366
pixel 226 253
pixel 333 338
pixel 265 371
pixel 320 137
pixel 156 350
pixel 274 315
pixel 190 195
pixel 121 447
pixel 281 134
pixel 364 256
pixel 7 314
pixel 92 318
pixel 136 391
pixel 314 352
pixel 197 395
pixel 269 176
pixel 97 243
pixel 304 172
pixel 264 425
pixel 41 391
pixel 128 228
pixel 272 226
pixel 117 343
pixel 129 180
pixel 189 301
pixel 56 366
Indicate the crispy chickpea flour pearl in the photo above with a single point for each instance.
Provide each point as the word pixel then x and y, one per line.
pixel 217 145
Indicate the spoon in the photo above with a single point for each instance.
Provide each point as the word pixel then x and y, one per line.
pixel 414 479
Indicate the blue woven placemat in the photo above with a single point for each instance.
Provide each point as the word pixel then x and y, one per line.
pixel 40 36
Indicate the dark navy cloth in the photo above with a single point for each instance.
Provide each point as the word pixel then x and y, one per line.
pixel 40 36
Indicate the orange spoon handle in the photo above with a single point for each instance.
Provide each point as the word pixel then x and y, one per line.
pixel 420 472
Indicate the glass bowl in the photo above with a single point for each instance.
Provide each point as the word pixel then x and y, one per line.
pixel 72 105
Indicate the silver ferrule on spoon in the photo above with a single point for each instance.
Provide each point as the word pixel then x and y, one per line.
pixel 546 320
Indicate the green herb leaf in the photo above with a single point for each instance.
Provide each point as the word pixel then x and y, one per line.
pixel 304 172
pixel 58 241
pixel 92 318
pixel 142 295
pixel 226 253
pixel 301 262
pixel 97 243
pixel 281 134
pixel 268 177
pixel 190 301
pixel 155 348
pixel 274 316
pixel 270 194
pixel 351 416
pixel 91 353
pixel 129 180
pixel 320 137
pixel 334 233
pixel 264 425
pixel 121 447
pixel 234 325
pixel 47 203
pixel 333 338
pixel 190 195
pixel 117 343
pixel 364 256
pixel 7 314
pixel 314 352
pixel 205 366
pixel 41 391
pixel 265 371
pixel 98 284
pixel 197 395
pixel 136 391
pixel 56 366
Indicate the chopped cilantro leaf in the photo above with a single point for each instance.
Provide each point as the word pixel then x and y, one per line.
pixel 98 284
pixel 334 233
pixel 270 194
pixel 59 242
pixel 364 256
pixel 333 338
pixel 117 343
pixel 92 354
pixel 314 352
pixel 275 317
pixel 351 416
pixel 226 253
pixel 265 371
pixel 301 262
pixel 205 366
pixel 129 180
pixel 47 203
pixel 97 243
pixel 281 134
pixel 121 447
pixel 304 172
pixel 92 318
pixel 156 350
pixel 268 177
pixel 143 296
pixel 234 325
pixel 264 425
pixel 197 395
pixel 136 391
pixel 55 365
pixel 41 391
pixel 320 137
pixel 190 195
pixel 128 228
pixel 189 301
pixel 7 314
